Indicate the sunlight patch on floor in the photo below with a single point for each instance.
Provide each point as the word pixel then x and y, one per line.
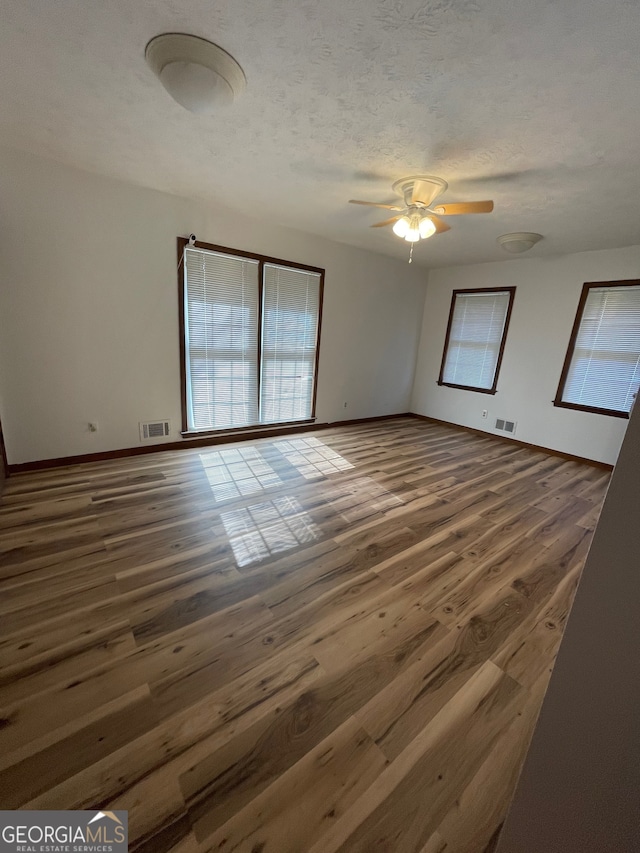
pixel 238 473
pixel 312 457
pixel 258 531
pixel 244 471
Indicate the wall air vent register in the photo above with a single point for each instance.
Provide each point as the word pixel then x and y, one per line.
pixel 154 429
pixel 506 426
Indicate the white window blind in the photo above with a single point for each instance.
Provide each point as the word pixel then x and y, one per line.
pixel 291 309
pixel 250 344
pixel 477 328
pixel 221 340
pixel 604 372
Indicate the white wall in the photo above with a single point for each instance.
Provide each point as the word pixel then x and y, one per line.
pixel 544 310
pixel 89 309
pixel 578 792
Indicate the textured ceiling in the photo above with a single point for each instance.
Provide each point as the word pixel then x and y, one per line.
pixel 535 104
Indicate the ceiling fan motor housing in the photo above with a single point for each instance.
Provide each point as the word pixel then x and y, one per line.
pixel 430 187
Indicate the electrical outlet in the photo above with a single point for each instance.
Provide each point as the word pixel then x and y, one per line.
pixel 93 427
pixel 485 413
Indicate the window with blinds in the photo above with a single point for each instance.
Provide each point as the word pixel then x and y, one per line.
pixel 476 334
pixel 250 340
pixel 291 307
pixel 602 369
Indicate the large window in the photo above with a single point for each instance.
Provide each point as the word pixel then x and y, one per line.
pixel 250 338
pixel 476 335
pixel 601 371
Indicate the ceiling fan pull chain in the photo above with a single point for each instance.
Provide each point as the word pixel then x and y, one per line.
pixel 411 254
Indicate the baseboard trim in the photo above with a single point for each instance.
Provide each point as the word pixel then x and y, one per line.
pixel 183 444
pixel 273 432
pixel 568 456
pixel 355 421
pixel 186 443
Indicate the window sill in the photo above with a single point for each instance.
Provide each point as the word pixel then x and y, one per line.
pixel 577 407
pixel 469 388
pixel 255 429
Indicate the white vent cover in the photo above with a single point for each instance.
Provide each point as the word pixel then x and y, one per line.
pixel 154 429
pixel 506 426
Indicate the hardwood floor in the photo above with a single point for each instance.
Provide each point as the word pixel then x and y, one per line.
pixel 331 643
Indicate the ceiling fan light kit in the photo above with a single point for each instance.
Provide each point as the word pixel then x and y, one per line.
pixel 426 228
pixel 519 241
pixel 414 227
pixel 198 74
pixel 401 227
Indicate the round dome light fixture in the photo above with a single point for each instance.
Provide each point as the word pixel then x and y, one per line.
pixel 197 74
pixel 519 241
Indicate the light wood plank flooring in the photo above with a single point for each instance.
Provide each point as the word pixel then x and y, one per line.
pixel 330 643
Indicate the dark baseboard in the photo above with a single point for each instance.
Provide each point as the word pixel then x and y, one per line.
pixel 569 456
pixel 367 420
pixel 186 443
pixel 272 432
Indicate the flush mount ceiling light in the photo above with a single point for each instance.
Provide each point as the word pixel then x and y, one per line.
pixel 519 241
pixel 198 74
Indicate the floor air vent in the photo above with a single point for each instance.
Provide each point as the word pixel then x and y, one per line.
pixel 506 426
pixel 154 429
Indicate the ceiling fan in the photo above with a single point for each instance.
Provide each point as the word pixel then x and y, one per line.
pixel 418 217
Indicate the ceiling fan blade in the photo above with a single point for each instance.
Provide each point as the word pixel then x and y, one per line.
pixel 375 204
pixel 386 222
pixel 425 192
pixel 464 207
pixel 441 225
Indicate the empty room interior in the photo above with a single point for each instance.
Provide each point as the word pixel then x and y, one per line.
pixel 319 344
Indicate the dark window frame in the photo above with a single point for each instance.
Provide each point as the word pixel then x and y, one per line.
pixel 512 292
pixel 182 243
pixel 579 407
